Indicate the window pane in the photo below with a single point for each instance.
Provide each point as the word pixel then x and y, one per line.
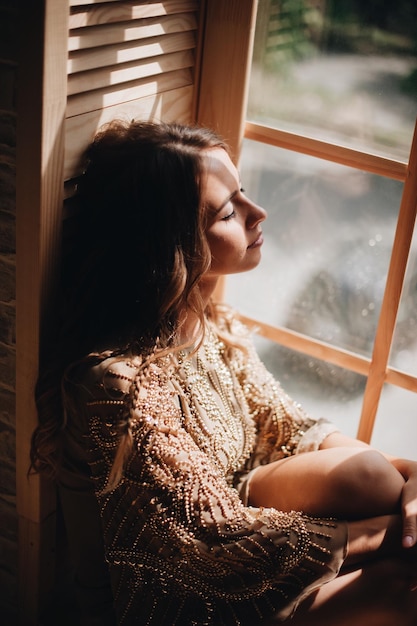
pixel 339 70
pixel 328 240
pixel 395 428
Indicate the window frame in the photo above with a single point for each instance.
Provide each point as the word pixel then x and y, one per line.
pixel 376 369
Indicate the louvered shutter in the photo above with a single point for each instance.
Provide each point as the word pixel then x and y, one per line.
pixel 127 59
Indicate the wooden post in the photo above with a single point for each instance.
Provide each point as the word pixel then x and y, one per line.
pixel 40 155
pixel 225 63
pixel 225 67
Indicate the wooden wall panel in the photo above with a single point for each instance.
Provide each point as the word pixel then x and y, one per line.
pixel 40 152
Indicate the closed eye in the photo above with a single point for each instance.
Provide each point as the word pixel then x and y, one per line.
pixel 232 213
pixel 229 217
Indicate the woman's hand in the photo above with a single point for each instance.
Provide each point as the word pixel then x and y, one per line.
pixel 378 538
pixel 408 469
pixel 375 537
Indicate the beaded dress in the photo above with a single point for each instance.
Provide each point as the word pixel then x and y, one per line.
pixel 181 545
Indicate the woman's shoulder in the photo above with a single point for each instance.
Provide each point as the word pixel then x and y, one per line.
pixel 105 372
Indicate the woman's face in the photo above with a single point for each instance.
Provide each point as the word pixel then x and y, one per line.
pixel 234 232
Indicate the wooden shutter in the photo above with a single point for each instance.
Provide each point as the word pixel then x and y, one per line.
pixel 128 59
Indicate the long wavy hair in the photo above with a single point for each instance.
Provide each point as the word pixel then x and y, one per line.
pixel 133 263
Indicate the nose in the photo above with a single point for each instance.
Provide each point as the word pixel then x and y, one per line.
pixel 256 214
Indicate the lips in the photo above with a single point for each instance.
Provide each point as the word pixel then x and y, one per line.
pixel 258 241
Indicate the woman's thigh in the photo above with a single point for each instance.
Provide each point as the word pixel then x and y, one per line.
pixel 346 482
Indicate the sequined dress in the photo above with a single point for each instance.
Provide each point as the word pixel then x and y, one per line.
pixel 181 545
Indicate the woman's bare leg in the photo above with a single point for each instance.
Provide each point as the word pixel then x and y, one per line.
pixel 348 483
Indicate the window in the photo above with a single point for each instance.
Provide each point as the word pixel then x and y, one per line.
pixel 332 105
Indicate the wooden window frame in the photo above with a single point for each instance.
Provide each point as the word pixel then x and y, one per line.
pixel 376 369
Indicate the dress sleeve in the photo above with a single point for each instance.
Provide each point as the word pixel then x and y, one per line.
pixel 181 546
pixel 283 427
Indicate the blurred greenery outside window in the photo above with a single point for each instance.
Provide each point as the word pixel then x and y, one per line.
pixel 345 72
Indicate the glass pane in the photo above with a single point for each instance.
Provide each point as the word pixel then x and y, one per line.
pixel 328 240
pixel 339 70
pixel 404 349
pixel 395 428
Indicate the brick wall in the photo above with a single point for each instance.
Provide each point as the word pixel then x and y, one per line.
pixel 8 516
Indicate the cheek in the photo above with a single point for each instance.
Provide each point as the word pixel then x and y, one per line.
pixel 221 247
pixel 227 256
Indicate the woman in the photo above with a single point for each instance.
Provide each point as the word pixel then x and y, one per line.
pixel 156 402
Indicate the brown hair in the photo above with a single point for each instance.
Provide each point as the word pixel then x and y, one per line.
pixel 135 258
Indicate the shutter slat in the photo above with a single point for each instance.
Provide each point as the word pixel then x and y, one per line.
pixel 103 98
pixel 126 11
pixel 83 38
pixel 123 53
pixel 77 3
pixel 108 76
pixel 174 105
